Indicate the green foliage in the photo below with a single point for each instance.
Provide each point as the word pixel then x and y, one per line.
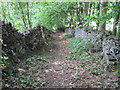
pixel 21 81
pixel 91 65
pixel 79 48
pixel 117 72
pixel 51 15
pixel 54 15
pixel 28 73
pixel 27 76
pixel 4 61
pixel 118 32
pixel 66 35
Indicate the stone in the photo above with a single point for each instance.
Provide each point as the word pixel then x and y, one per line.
pixel 109 44
pixel 16 44
pixel 111 49
pixel 70 31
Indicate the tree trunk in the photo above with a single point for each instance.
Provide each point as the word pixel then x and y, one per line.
pixel 86 8
pixel 78 12
pixel 102 10
pixel 4 14
pixel 116 20
pixel 115 24
pixel 98 8
pixel 81 11
pixel 101 13
pixel 71 19
pixel 28 15
pixel 90 9
pixel 10 17
pixel 22 12
pixel 81 8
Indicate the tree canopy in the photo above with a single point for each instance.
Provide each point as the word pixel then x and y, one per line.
pixel 54 15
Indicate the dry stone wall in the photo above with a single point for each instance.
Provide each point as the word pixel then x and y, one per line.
pixel 84 33
pixel 16 45
pixel 109 45
pixel 70 31
pixel 111 49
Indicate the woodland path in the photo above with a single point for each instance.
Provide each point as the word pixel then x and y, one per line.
pixel 58 73
pixel 65 72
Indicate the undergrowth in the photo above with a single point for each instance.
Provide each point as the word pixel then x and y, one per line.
pixel 79 49
pixel 28 74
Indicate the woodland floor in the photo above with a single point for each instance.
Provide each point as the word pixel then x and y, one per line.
pixel 66 72
pixel 63 71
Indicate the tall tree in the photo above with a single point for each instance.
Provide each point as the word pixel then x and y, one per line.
pixel 23 14
pixel 28 15
pixel 86 9
pixel 3 12
pixel 102 11
pixel 116 18
pixel 78 12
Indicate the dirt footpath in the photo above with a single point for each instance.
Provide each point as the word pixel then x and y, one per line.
pixel 65 72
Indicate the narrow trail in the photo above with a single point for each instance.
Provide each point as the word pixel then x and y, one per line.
pixel 58 74
pixel 65 72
